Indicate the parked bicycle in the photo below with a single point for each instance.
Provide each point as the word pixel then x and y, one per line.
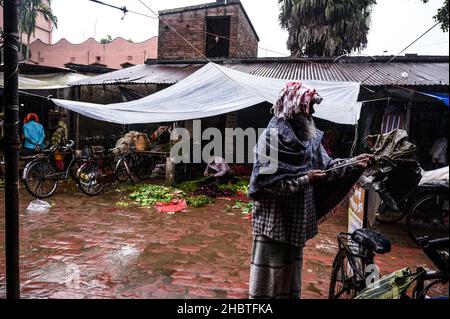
pixel 426 209
pixel 41 176
pixel 109 166
pixel 138 164
pixel 96 172
pixel 354 263
pixel 428 216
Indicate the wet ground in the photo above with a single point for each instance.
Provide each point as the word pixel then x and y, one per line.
pixel 90 248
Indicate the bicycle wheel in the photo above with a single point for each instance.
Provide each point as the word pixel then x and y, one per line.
pixel 387 215
pixel 429 217
pixel 89 176
pixel 38 178
pixel 342 280
pixel 144 167
pixel 124 169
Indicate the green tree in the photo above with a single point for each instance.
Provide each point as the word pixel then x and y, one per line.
pixel 325 27
pixel 442 15
pixel 106 39
pixel 29 10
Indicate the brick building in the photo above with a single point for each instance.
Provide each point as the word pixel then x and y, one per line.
pixel 218 29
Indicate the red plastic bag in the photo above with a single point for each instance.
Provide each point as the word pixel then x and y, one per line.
pixel 174 206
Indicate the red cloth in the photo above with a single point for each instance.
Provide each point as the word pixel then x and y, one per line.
pixel 294 98
pixel 31 117
pixel 175 205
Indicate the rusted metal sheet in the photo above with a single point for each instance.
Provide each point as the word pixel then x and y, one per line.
pixel 143 74
pixel 370 74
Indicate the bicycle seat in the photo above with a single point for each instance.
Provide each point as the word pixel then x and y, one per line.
pixel 372 240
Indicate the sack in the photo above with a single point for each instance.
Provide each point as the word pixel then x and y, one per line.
pixel 142 143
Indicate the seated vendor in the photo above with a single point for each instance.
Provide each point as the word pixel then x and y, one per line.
pixel 218 167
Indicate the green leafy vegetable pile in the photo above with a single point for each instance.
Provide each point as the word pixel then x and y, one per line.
pixel 199 201
pixel 148 194
pixel 246 208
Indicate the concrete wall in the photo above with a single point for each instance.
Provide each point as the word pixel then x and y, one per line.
pixel 112 54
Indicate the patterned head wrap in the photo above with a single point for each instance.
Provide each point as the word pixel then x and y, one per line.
pixel 294 98
pixel 31 117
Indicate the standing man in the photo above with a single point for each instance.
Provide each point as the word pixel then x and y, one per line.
pixel 284 215
pixel 33 134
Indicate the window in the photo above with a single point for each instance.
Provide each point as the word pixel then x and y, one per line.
pixel 41 60
pixel 98 59
pixel 217 36
pixel 130 58
pixel 72 59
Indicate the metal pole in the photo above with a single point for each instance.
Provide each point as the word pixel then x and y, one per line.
pixel 12 142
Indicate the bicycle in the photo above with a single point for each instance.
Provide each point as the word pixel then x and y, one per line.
pixel 429 216
pixel 98 171
pixel 426 210
pixel 137 163
pixel 41 175
pixel 357 250
pixel 125 167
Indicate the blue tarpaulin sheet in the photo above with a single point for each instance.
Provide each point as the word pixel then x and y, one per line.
pixel 440 96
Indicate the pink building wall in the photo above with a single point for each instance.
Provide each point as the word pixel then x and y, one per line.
pixel 43 29
pixel 112 55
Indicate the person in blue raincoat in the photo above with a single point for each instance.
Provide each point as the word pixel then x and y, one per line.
pixel 33 134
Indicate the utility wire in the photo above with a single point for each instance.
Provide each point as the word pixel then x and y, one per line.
pixel 190 44
pixel 227 38
pixel 123 9
pixel 395 56
pixel 156 17
pixel 174 30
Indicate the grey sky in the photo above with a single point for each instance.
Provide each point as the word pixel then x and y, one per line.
pixel 395 24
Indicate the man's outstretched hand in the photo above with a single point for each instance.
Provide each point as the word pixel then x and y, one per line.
pixel 366 160
pixel 316 176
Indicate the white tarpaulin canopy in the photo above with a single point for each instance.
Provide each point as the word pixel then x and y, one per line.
pixel 215 90
pixel 46 81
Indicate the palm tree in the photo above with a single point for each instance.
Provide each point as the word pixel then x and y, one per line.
pixel 325 27
pixel 29 10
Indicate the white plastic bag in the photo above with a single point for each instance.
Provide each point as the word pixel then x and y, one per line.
pixel 38 206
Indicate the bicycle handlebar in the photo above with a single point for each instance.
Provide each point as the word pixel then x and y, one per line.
pixel 439 243
pixel 70 144
pixel 431 247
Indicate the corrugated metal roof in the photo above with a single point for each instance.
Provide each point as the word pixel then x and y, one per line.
pixel 424 73
pixel 376 73
pixel 143 74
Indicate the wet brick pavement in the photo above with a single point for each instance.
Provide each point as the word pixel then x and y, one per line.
pixel 90 248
